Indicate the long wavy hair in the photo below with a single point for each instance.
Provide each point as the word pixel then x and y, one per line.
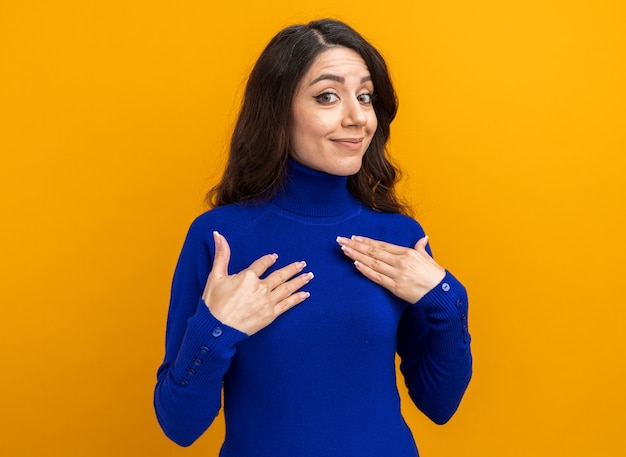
pixel 260 144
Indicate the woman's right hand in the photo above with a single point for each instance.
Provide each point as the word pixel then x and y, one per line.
pixel 246 302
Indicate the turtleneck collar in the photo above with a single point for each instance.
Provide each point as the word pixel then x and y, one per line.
pixel 315 194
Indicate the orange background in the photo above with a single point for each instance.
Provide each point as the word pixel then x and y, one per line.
pixel 114 117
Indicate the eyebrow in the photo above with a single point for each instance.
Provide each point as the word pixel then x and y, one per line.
pixel 339 79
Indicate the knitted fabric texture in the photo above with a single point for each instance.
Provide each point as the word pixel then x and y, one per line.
pixel 320 381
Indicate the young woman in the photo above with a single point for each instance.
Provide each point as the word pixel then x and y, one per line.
pixel 316 275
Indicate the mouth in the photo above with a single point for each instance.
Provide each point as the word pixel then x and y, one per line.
pixel 352 144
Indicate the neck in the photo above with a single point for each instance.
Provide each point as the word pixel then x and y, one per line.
pixel 314 193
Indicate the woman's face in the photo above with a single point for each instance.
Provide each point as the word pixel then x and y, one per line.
pixel 333 117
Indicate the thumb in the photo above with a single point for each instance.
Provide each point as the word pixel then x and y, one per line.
pixel 421 243
pixel 222 256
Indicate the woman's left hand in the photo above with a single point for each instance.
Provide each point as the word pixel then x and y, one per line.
pixel 408 273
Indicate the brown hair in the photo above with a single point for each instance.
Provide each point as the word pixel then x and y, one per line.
pixel 260 144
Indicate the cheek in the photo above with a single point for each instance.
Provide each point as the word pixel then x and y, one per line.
pixel 372 125
pixel 313 127
pixel 299 129
pixel 305 139
pixel 373 122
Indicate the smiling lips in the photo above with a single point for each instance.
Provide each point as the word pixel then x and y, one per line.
pixel 352 144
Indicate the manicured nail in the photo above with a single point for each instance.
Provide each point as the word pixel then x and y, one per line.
pixel 341 240
pixel 346 249
pixel 356 238
pixel 217 238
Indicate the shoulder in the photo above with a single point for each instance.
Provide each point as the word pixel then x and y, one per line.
pixel 212 215
pixel 399 221
pixel 233 217
pixel 392 227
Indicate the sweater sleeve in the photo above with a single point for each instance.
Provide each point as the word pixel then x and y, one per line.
pixel 434 349
pixel 198 349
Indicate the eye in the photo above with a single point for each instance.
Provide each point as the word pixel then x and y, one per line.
pixel 326 97
pixel 366 99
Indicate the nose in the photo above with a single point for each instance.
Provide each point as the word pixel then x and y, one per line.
pixel 353 114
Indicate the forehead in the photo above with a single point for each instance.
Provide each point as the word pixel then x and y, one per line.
pixel 337 61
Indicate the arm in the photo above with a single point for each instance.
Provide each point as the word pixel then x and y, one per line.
pixel 202 333
pixel 434 349
pixel 433 340
pixel 187 396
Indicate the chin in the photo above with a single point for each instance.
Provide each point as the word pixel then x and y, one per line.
pixel 350 165
pixel 346 169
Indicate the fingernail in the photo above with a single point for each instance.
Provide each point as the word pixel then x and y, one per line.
pixel 309 276
pixel 341 239
pixel 346 249
pixel 356 238
pixel 216 237
pixel 302 264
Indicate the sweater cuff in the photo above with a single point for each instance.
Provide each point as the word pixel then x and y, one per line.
pixel 206 350
pixel 446 308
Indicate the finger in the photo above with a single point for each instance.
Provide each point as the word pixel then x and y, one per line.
pixel 375 276
pixel 283 274
pixel 222 256
pixel 288 288
pixel 260 265
pixel 377 244
pixel 377 255
pixel 370 246
pixel 421 243
pixel 290 302
pixel 383 267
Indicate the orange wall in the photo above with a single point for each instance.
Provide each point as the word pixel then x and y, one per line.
pixel 113 121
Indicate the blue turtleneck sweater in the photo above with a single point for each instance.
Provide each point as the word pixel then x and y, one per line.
pixel 320 381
